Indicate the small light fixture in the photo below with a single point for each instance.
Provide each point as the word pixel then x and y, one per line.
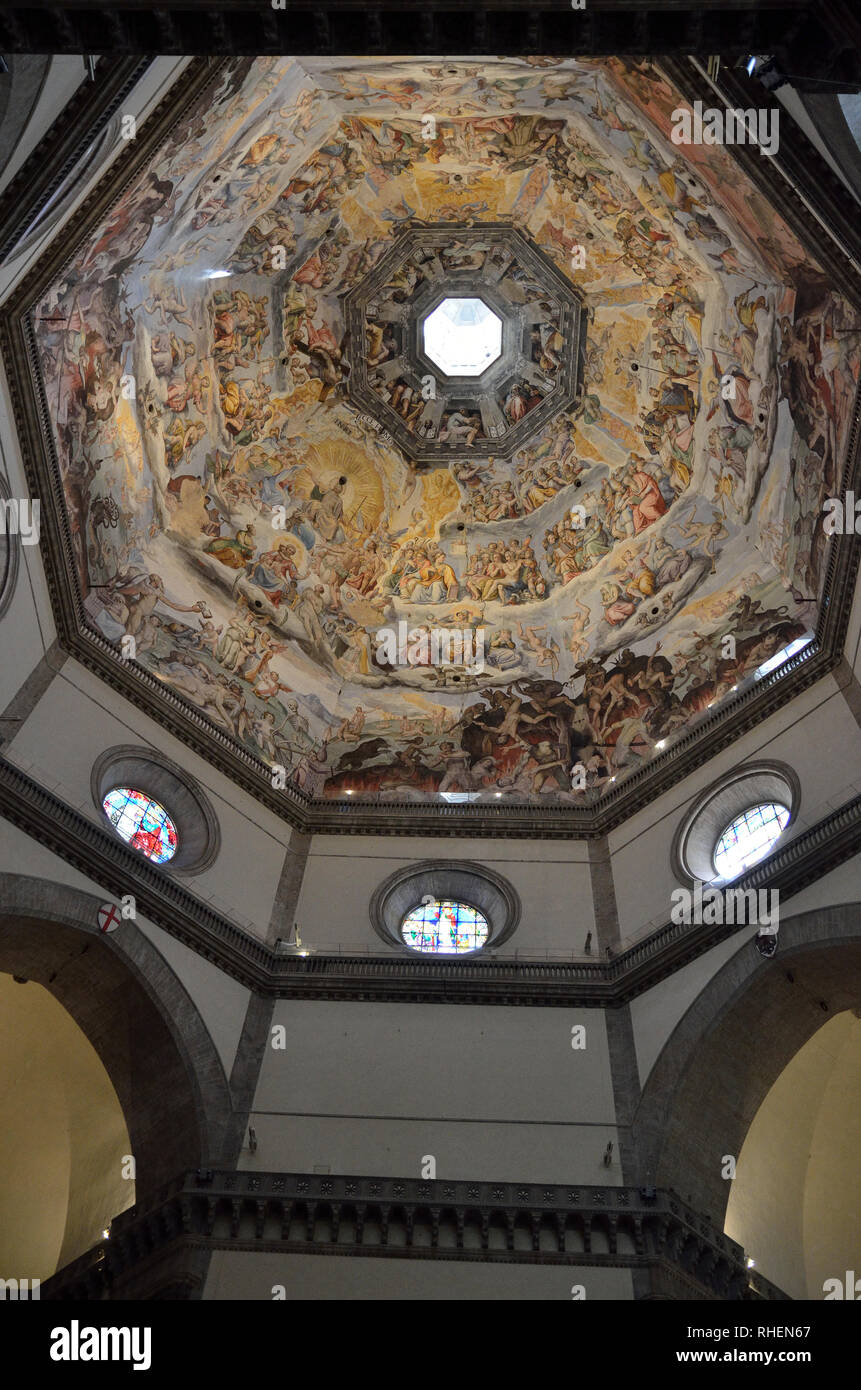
pixel 106 1233
pixel 751 1263
pixel 661 743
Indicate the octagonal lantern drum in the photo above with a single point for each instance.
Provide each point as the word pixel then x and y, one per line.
pixel 473 340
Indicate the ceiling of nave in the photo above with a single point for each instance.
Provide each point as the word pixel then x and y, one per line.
pixel 235 510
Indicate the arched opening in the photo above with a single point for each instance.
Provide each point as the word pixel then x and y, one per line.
pixel 793 1204
pixel 103 1027
pixel 730 1084
pixel 65 1168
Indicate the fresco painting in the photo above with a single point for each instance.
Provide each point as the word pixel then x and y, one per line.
pixel 233 511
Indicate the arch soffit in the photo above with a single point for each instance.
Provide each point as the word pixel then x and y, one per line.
pixel 750 1020
pixel 159 1055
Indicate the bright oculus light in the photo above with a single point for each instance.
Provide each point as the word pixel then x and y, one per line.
pixel 462 336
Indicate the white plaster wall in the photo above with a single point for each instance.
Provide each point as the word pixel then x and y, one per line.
pixel 23 635
pixel 19 854
pixel 552 878
pixel 220 1000
pixel 816 735
pixel 242 1276
pixel 79 717
pixel 492 1093
pixel 842 885
pixel 656 1013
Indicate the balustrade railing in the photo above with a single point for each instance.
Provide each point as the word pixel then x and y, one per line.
pixel 555 1223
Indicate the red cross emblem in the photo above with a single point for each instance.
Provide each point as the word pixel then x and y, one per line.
pixel 109 917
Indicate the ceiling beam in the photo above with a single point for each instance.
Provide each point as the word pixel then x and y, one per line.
pixel 804 33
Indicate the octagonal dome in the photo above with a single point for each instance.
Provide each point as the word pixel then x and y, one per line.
pixel 258 491
pixel 463 337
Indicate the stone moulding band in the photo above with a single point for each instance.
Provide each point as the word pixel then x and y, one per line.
pixel 524 1223
pixel 109 862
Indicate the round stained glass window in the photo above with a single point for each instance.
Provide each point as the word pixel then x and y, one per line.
pixel 444 928
pixel 142 823
pixel 749 838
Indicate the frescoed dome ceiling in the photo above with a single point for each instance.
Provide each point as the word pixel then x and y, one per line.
pixel 276 488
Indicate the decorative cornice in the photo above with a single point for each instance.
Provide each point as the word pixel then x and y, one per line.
pixel 796 167
pixel 502 819
pixel 600 984
pixel 521 1223
pixel 65 143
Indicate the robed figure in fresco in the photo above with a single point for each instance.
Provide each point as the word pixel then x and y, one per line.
pixel 327 510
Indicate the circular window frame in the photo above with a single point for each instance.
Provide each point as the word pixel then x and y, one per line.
pixel 714 810
pixel 454 880
pixel 197 829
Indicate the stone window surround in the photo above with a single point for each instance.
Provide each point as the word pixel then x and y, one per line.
pixel 458 880
pixel 692 853
pixel 146 770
